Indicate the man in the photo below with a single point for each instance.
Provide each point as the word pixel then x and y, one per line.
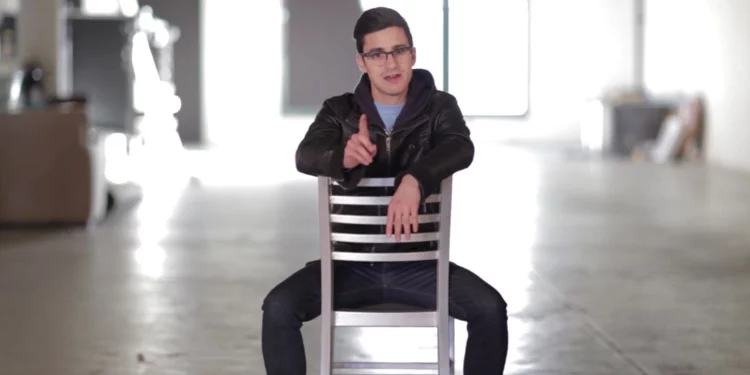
pixel 395 124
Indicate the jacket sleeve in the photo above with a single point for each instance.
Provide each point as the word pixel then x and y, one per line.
pixel 321 152
pixel 453 150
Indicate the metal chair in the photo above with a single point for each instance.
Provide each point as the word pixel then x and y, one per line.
pixel 410 317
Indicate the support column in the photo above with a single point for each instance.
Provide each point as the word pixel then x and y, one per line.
pixel 639 44
pixel 446 44
pixel 42 38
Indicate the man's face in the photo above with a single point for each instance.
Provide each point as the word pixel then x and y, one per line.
pixel 388 59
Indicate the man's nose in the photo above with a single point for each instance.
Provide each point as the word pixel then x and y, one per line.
pixel 390 61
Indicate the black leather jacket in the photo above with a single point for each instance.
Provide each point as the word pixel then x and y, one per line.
pixel 429 141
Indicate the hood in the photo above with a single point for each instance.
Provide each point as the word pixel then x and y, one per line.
pixel 421 88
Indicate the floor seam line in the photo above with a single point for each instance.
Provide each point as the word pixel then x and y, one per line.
pixel 593 328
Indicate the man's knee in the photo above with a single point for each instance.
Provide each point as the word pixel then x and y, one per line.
pixel 491 306
pixel 280 307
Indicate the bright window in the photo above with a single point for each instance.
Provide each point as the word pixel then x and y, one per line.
pixel 488 56
pixel 488 50
pixel 100 6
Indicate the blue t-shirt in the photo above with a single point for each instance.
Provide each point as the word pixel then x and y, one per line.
pixel 389 113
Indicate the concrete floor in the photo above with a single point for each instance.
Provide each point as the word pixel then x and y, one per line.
pixel 608 268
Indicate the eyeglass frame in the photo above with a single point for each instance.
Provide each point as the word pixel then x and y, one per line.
pixel 368 55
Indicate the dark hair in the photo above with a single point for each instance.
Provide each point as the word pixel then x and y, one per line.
pixel 376 19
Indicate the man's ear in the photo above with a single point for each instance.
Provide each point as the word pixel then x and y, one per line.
pixel 413 56
pixel 361 63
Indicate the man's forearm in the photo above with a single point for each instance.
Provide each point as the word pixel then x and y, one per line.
pixel 319 159
pixel 453 154
pixel 321 153
pixel 453 151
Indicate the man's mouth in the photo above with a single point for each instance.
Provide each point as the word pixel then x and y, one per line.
pixel 393 78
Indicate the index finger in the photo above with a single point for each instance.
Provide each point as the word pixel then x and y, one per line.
pixel 363 128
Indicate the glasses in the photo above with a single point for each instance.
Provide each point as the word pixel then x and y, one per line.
pixel 400 55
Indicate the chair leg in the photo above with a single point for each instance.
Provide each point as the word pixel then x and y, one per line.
pixel 327 325
pixel 445 345
pixel 326 278
pixel 452 334
pixel 326 349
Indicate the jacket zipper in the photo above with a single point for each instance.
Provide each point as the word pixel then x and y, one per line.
pixel 388 148
pixel 388 154
pixel 389 134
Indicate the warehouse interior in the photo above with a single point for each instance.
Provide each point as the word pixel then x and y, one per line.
pixel 149 199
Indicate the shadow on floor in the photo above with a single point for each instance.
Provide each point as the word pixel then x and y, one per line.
pixel 16 235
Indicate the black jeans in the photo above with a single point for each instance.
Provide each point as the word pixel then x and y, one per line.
pixel 297 300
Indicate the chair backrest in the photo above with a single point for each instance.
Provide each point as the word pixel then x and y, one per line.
pixel 326 200
pixel 331 318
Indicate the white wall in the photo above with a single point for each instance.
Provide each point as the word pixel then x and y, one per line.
pixel 579 49
pixel 701 46
pixel 41 34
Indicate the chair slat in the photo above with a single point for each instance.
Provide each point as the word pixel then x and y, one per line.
pixel 374 182
pixel 414 256
pixel 377 220
pixel 372 201
pixel 383 368
pixel 382 238
pixel 381 319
